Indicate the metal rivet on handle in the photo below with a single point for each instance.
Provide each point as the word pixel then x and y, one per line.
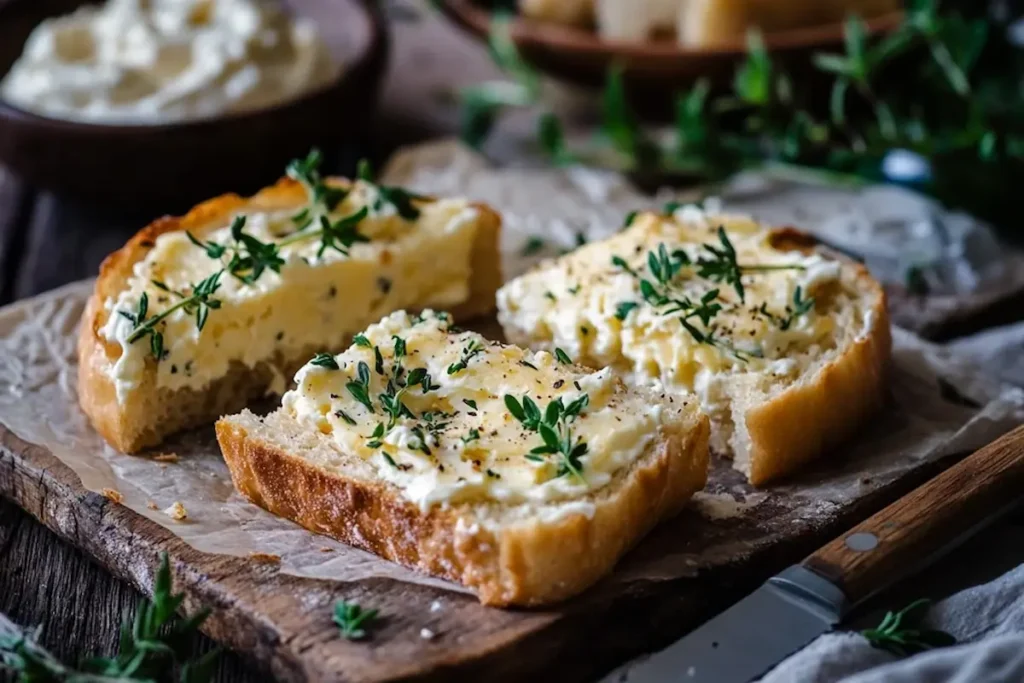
pixel 861 542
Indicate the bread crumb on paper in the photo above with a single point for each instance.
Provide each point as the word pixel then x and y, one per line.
pixel 166 457
pixel 325 549
pixel 176 511
pixel 151 505
pixel 266 558
pixel 112 494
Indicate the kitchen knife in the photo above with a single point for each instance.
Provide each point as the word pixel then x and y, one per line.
pixel 806 600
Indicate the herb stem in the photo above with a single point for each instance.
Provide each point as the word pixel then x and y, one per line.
pixel 151 323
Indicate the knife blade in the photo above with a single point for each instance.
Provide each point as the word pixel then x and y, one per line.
pixel 807 600
pixel 736 646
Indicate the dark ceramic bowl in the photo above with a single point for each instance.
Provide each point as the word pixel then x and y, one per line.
pixel 582 57
pixel 190 161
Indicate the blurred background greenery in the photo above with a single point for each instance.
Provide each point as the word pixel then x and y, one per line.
pixel 937 104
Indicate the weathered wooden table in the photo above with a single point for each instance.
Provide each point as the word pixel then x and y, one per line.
pixel 46 241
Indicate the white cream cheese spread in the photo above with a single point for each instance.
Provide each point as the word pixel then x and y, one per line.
pixel 448 417
pixel 312 297
pixel 152 61
pixel 681 301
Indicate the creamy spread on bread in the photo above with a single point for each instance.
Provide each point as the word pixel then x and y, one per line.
pixel 315 295
pixel 150 61
pixel 660 303
pixel 454 437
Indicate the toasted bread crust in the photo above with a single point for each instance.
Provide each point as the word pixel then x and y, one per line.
pixel 528 563
pixel 809 417
pixel 128 430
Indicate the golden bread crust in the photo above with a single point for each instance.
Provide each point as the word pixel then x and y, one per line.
pixel 821 411
pixel 130 429
pixel 526 563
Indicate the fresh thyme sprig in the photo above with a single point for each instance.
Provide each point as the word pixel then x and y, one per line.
pixel 554 425
pixel 360 388
pixel 900 632
pixel 352 620
pixel 473 349
pixel 147 647
pixel 721 265
pixel 199 303
pixel 797 308
pixel 307 172
pixel 718 264
pixel 660 293
pixel 249 257
pixel 400 199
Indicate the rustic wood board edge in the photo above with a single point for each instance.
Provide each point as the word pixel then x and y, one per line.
pixel 244 593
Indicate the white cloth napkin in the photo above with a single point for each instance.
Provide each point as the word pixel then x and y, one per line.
pixel 988 620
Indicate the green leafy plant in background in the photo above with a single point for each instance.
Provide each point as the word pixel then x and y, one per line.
pixel 945 88
pixel 149 647
pixel 901 634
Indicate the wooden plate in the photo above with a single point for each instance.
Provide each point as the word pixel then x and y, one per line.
pixel 581 56
pixel 190 161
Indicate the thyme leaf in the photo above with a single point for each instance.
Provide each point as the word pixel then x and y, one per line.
pixel 473 349
pixel 352 620
pixel 901 634
pixel 149 646
pixel 554 426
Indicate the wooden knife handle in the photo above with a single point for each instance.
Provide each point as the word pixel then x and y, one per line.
pixel 931 519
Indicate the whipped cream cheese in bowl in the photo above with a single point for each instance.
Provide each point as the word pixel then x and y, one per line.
pixel 176 101
pixel 152 61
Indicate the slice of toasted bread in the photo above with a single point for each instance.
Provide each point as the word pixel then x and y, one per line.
pixel 215 361
pixel 786 371
pixel 457 485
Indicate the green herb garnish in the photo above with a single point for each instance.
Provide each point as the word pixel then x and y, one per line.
pixel 376 441
pixel 473 435
pixel 471 350
pixel 400 199
pixel 563 357
pixel 554 427
pixel 353 620
pixel 623 310
pixel 660 292
pixel 534 245
pixel 361 340
pixel 799 307
pixel 469 402
pixel 150 647
pixel 325 360
pixel 307 172
pixel 722 266
pixel 198 303
pixel 900 632
pixel 360 388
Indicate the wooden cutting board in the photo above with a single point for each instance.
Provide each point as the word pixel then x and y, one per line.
pixel 284 622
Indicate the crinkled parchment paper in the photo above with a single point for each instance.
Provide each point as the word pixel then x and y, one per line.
pixel 926 417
